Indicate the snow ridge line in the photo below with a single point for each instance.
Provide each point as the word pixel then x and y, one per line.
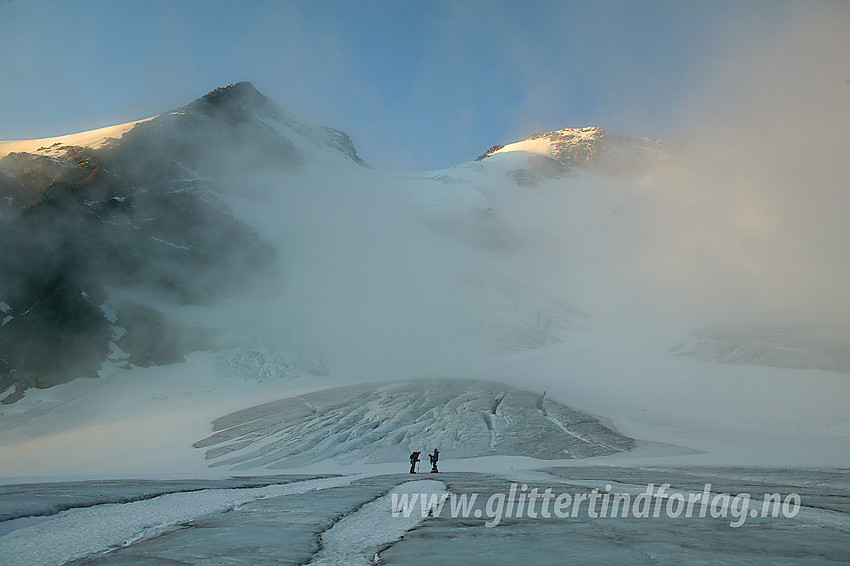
pixel 560 425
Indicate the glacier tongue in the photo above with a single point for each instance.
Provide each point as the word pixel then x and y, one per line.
pixel 384 422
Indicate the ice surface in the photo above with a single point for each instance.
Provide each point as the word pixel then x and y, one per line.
pixel 662 540
pixel 45 499
pixel 385 422
pixel 277 530
pixel 94 529
pixel 355 538
pixel 350 523
pixel 257 362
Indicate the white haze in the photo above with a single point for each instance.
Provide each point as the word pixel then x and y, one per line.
pixel 749 224
pixel 746 226
pixel 391 275
pixel 382 273
pixel 764 197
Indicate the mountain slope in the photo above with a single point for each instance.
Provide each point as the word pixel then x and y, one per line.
pixel 142 212
pixel 57 145
pixel 225 254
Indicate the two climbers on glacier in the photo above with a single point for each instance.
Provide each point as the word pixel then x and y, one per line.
pixel 414 459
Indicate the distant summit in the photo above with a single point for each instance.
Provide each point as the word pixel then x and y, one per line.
pixel 590 147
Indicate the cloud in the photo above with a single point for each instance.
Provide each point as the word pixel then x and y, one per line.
pixel 753 223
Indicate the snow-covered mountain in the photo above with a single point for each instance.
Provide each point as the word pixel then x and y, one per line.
pixel 553 154
pixel 101 234
pixel 215 266
pixel 136 207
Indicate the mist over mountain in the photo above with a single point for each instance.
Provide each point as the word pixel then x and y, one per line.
pixel 143 213
pixel 231 245
pixel 231 332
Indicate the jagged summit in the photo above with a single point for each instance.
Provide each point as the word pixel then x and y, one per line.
pixel 244 93
pixel 141 208
pixel 241 102
pixel 589 147
pixel 236 101
pixel 562 137
pixel 236 114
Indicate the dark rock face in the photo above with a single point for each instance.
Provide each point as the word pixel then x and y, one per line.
pixel 541 166
pixel 524 177
pixel 60 335
pixel 138 214
pixel 489 152
pixel 151 339
pixel 223 131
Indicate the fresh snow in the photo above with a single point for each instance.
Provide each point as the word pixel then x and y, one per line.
pixel 540 145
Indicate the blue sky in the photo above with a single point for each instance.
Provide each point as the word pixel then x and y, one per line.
pixel 417 85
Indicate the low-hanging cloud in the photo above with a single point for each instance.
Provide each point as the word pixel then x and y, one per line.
pixel 743 225
pixel 747 222
pixel 755 220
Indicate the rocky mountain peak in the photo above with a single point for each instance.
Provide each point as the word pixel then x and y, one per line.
pixel 243 91
pixel 590 147
pixel 236 101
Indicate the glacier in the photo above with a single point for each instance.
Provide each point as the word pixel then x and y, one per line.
pixel 385 422
pixel 349 520
pixel 247 297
